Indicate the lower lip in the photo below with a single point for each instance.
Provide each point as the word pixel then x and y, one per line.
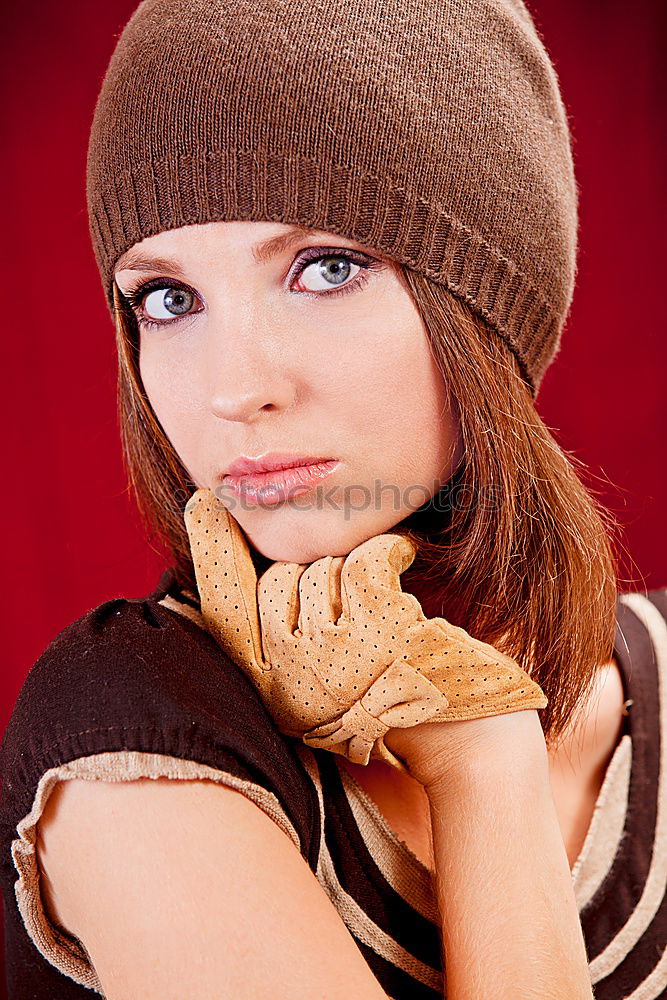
pixel 268 488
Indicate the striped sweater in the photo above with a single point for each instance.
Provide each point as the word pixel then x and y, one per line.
pixel 169 702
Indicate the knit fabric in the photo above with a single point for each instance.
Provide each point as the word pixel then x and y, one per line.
pixel 339 654
pixel 433 132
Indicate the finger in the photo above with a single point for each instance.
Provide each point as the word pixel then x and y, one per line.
pixel 319 594
pixel 370 581
pixel 226 577
pixel 278 600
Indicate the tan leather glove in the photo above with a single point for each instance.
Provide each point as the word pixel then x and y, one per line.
pixel 337 651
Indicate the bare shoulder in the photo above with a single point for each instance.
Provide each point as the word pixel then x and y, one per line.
pixel 578 765
pixel 594 735
pixel 608 719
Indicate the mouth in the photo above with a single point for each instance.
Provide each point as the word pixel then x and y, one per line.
pixel 277 485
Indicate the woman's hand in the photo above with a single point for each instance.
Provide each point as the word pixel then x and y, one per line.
pixel 339 653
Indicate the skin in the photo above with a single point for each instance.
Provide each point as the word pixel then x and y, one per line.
pixel 269 360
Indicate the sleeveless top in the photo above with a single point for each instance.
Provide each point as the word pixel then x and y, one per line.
pixel 138 688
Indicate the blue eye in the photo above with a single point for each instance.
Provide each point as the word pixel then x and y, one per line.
pixel 178 299
pixel 330 271
pixel 153 296
pixel 159 304
pixel 332 267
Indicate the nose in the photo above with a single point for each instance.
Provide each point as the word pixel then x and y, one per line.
pixel 245 374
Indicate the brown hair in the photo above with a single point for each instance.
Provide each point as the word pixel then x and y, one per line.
pixel 522 558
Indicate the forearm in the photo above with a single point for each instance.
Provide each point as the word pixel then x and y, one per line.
pixel 510 924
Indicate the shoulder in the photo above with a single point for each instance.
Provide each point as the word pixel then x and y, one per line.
pixel 658 623
pixel 134 675
pixel 641 636
pixel 630 681
pixel 132 689
pixel 625 848
pixel 125 662
pixel 635 681
pixel 130 662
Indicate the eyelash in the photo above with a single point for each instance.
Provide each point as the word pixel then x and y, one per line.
pixel 135 296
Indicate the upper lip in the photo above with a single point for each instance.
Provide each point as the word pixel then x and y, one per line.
pixel 270 462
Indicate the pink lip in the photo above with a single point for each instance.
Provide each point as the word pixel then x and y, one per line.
pixel 270 462
pixel 276 485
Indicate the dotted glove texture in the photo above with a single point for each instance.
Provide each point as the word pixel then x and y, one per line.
pixel 337 651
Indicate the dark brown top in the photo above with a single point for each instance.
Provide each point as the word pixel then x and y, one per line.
pixel 137 675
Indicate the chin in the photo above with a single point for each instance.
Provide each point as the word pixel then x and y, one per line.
pixel 305 546
pixel 302 546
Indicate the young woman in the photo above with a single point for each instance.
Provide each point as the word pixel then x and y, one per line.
pixel 342 238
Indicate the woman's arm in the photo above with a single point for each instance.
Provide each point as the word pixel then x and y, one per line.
pixel 188 889
pixel 510 924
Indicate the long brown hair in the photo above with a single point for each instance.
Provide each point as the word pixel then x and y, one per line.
pixel 522 554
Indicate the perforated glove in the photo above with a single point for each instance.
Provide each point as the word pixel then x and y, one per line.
pixel 337 651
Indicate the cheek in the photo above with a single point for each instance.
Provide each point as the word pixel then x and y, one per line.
pixel 158 386
pixel 169 379
pixel 393 390
pixel 420 431
pixel 172 394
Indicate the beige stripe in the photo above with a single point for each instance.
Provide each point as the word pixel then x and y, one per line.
pixel 606 826
pixel 653 987
pixel 184 609
pixel 357 921
pixel 402 869
pixel 58 947
pixel 656 882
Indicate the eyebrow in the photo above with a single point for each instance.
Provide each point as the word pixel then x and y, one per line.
pixel 138 260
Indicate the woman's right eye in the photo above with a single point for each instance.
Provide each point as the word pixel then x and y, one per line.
pixel 171 301
pixel 160 305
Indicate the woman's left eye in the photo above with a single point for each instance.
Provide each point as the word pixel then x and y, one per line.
pixel 330 273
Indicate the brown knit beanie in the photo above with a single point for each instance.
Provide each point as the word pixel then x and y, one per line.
pixel 431 130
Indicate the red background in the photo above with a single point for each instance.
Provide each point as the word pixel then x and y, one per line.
pixel 72 539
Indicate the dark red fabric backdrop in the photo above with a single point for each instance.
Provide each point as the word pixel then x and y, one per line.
pixel 72 539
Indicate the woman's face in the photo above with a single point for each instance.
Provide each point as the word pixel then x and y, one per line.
pixel 277 339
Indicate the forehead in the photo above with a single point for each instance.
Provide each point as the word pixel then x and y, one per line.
pixel 266 240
